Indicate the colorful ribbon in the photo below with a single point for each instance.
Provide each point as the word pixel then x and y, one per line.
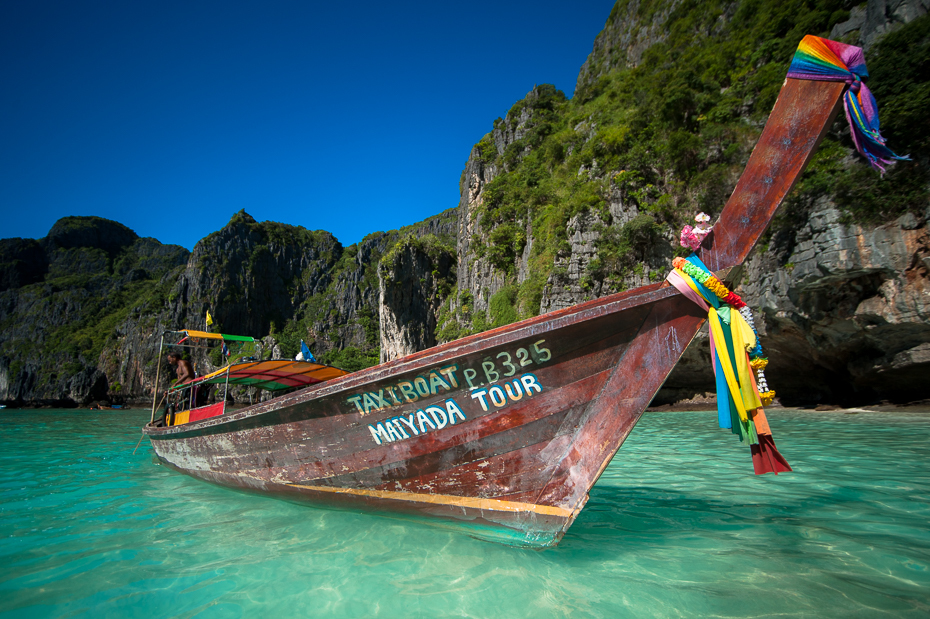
pixel 732 335
pixel 830 61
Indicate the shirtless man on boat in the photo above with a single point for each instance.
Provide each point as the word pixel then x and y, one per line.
pixel 183 367
pixel 185 372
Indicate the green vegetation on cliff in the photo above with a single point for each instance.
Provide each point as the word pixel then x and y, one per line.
pixel 669 137
pixel 70 300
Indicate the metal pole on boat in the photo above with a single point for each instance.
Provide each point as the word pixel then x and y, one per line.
pixel 157 376
pixel 226 389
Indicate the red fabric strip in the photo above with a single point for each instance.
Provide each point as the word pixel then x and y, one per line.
pixel 206 411
pixel 766 458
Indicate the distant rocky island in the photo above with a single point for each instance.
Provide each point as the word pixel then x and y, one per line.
pixel 563 200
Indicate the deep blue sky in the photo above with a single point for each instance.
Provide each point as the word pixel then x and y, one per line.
pixel 349 117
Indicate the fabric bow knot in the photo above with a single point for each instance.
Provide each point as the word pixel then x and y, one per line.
pixel 825 60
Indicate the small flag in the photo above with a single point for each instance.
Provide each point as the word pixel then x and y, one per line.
pixel 308 356
pixel 209 318
pixel 225 350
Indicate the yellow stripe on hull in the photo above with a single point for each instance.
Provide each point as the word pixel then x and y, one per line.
pixel 449 499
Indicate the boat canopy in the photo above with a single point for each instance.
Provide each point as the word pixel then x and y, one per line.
pixel 190 333
pixel 273 375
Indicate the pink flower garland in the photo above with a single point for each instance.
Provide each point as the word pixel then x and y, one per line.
pixel 692 237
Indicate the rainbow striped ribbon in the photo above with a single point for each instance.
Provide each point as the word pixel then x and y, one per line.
pixel 830 61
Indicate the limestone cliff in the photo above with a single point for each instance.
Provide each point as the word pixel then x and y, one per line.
pixel 65 296
pixel 847 317
pixel 512 138
pixel 251 276
pixel 415 277
pixel 560 203
pixel 82 310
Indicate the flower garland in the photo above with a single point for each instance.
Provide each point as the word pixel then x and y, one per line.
pixel 692 237
pixel 757 361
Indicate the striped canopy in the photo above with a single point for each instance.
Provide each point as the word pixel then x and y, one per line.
pixel 190 333
pixel 273 375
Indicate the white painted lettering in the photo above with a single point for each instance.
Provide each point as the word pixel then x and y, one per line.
pixel 420 383
pixel 453 409
pixel 449 373
pixel 517 392
pixel 395 435
pixel 408 392
pixel 396 422
pixel 379 434
pixel 507 364
pixel 470 377
pixel 529 383
pixel 421 418
pixel 425 420
pixel 543 354
pixel 436 381
pixel 439 416
pixel 479 395
pixel 497 396
pixel 380 399
pixel 408 421
pixel 357 401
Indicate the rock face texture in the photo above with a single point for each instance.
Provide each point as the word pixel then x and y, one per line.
pixel 22 262
pixel 82 310
pixel 847 317
pixel 842 308
pixel 250 275
pixel 623 40
pixel 844 315
pixel 415 278
pixel 570 281
pixel 869 22
pixel 64 296
pixel 507 143
pixel 475 274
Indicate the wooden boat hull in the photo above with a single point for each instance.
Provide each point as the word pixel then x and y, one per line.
pixel 482 432
pixel 501 433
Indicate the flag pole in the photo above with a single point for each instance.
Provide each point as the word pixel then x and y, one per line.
pixel 157 376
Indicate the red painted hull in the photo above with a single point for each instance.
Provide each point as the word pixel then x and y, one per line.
pixel 501 433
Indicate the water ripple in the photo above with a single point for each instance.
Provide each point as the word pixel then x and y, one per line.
pixel 676 527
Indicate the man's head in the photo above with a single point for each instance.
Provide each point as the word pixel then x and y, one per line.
pixel 173 358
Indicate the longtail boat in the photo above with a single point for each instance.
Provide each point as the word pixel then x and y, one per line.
pixel 502 433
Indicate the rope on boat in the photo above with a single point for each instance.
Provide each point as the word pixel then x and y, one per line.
pixel 137 444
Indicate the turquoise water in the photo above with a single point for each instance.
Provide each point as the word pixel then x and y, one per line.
pixel 678 526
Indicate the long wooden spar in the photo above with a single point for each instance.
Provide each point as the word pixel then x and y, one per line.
pixel 802 115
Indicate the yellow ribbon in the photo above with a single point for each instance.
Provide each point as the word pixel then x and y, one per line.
pixel 744 340
pixel 691 283
pixel 721 345
pixel 740 383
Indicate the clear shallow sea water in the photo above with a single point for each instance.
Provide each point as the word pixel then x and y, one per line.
pixel 678 526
